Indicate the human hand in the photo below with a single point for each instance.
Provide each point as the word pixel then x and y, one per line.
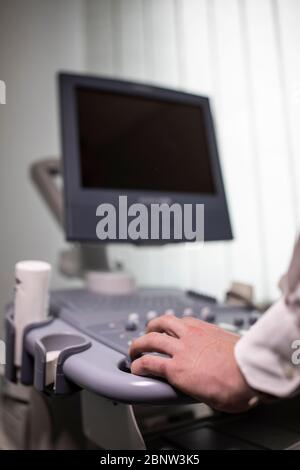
pixel 200 361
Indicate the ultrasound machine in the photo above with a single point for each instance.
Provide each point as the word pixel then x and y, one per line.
pixel 152 145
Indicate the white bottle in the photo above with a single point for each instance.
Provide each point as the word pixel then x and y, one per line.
pixel 31 298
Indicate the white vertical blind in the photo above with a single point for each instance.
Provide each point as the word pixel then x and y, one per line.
pixel 244 55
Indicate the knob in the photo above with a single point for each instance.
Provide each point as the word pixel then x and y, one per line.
pixel 150 315
pixel 169 311
pixel 253 318
pixel 238 321
pixel 188 312
pixel 132 322
pixel 207 315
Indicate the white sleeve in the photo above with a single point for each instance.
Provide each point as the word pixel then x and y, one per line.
pixel 269 353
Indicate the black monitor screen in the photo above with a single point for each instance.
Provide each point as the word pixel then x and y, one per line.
pixel 132 142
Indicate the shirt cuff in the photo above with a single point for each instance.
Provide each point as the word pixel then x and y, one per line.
pixel 269 353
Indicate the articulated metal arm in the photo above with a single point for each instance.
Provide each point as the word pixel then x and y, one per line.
pixel 43 174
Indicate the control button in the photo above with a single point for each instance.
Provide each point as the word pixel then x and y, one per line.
pixel 207 315
pixel 150 315
pixel 169 311
pixel 188 312
pixel 133 322
pixel 238 321
pixel 253 317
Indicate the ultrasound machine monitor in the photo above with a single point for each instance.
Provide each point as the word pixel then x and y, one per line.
pixel 151 144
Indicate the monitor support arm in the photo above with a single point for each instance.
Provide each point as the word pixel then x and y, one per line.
pixel 43 174
pixel 74 262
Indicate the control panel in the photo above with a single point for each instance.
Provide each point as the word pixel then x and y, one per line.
pixel 117 320
pixel 84 342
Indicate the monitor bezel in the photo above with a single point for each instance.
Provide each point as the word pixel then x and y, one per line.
pixel 80 203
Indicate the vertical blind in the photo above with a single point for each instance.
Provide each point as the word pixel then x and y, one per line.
pixel 244 55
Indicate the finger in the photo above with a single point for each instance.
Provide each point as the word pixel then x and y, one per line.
pixel 153 342
pixel 151 365
pixel 169 324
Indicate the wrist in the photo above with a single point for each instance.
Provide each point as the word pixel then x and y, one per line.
pixel 235 394
pixel 246 397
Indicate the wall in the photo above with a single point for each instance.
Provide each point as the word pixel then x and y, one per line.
pixel 37 38
pixel 244 54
